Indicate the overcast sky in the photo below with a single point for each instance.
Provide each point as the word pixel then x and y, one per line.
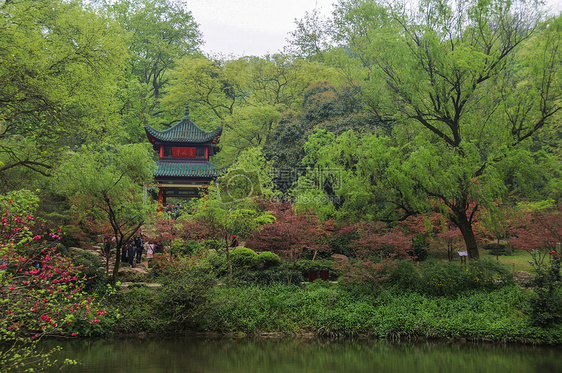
pixel 235 28
pixel 249 27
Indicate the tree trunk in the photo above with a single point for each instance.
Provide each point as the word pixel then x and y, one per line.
pixel 462 222
pixel 117 262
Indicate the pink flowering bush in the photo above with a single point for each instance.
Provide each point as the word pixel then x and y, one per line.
pixel 42 292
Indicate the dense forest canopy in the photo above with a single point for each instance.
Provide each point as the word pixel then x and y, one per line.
pixel 388 110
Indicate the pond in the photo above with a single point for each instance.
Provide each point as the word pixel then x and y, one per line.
pixel 253 355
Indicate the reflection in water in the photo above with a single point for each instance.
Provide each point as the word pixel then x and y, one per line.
pixel 301 355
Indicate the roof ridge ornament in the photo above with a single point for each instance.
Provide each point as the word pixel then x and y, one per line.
pixel 187 109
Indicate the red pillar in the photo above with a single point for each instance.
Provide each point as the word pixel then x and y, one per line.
pixel 161 152
pixel 207 153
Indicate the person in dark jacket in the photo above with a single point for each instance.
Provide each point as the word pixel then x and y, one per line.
pixel 139 245
pixel 124 254
pixel 131 252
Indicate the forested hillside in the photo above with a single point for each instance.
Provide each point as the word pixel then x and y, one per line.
pixel 384 134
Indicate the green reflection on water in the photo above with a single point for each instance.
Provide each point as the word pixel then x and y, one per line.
pixel 301 355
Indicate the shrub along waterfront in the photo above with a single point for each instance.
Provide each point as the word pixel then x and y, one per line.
pixel 478 301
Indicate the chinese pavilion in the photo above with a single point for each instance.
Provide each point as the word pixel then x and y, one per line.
pixel 183 166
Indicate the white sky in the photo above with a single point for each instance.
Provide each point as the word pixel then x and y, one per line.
pixel 249 27
pixel 234 28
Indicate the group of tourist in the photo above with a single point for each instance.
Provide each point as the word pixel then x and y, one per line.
pixel 134 248
pixel 174 211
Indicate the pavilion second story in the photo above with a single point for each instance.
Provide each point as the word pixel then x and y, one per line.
pixel 184 142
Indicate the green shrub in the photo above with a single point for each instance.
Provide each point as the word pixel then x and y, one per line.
pixel 268 276
pixel 217 263
pixel 267 259
pixel 420 245
pixel 157 261
pixel 497 249
pixel 307 265
pixel 488 274
pixel 93 268
pixel 546 307
pixel 243 257
pixel 452 278
pixel 182 247
pixel 212 245
pixel 341 243
pixel 405 277
pixel 137 311
pixel 182 299
pixel 88 259
pixel 545 304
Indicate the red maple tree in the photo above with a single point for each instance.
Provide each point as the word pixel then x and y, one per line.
pixel 292 236
pixel 539 230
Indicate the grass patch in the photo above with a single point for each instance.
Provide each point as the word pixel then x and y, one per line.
pixel 520 258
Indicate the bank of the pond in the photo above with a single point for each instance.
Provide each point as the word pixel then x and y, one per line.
pixel 326 309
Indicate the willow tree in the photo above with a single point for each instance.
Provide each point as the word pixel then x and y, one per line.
pixel 468 83
pixel 58 62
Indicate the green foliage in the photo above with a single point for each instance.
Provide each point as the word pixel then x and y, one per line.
pixel 104 184
pixel 137 311
pixel 406 276
pixel 451 278
pixel 60 61
pixel 174 307
pixel 545 304
pixel 43 293
pixel 267 259
pixel 183 297
pixel 269 276
pixel 246 96
pixel 218 264
pixel 243 257
pixel 334 310
pixel 457 103
pixel 158 33
pixel 325 106
pixel 180 246
pixel 212 244
pixel 93 270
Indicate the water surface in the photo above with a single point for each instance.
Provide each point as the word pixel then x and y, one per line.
pixel 214 355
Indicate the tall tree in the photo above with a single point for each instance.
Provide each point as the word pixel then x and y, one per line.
pixel 325 106
pixel 58 63
pixel 246 96
pixel 159 32
pixel 470 82
pixel 311 38
pixel 105 186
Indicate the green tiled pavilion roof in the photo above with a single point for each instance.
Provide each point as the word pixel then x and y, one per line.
pixel 183 169
pixel 184 131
